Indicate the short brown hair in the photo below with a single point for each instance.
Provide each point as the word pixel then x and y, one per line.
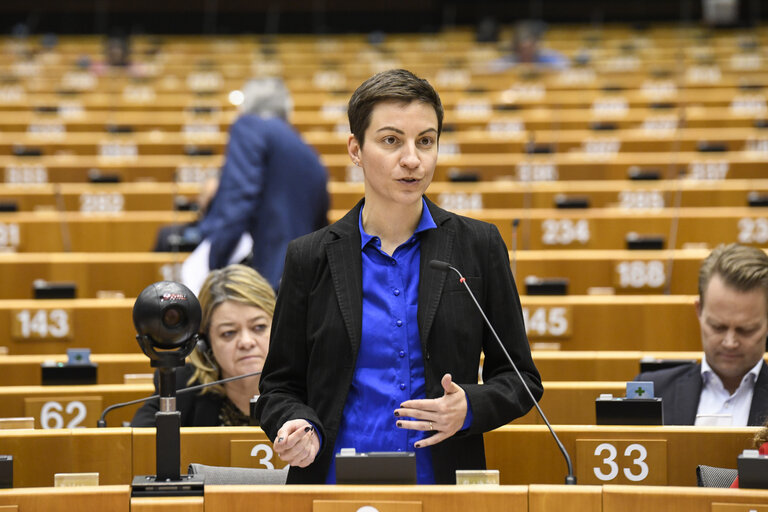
pixel 392 85
pixel 236 283
pixel 740 267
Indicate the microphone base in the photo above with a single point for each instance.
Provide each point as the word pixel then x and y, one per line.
pixel 570 480
pixel 149 486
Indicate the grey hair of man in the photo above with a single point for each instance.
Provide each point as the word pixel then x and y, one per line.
pixel 266 97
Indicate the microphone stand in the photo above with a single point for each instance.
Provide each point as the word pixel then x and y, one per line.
pixel 570 479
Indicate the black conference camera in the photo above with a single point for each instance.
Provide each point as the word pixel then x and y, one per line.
pixel 167 317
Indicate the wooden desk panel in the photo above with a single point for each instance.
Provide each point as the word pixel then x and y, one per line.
pixel 13 402
pixel 80 232
pixel 115 498
pixel 632 195
pixel 621 498
pixel 571 403
pixel 24 370
pixel 528 454
pixel 92 272
pixel 607 228
pixel 621 322
pixel 437 498
pixel 39 454
pixel 103 325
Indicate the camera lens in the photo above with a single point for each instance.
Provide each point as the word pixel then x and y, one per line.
pixel 172 317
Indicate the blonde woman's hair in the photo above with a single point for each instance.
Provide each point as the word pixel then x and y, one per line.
pixel 237 283
pixel 761 436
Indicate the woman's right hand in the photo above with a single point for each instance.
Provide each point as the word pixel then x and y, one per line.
pixel 297 443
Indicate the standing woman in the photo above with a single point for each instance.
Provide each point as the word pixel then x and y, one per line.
pixel 372 348
pixel 237 305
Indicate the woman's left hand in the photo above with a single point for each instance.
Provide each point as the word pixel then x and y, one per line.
pixel 445 415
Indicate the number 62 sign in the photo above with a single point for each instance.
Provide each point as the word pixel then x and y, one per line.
pixel 621 461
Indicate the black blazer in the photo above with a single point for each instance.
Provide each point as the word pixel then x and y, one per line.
pixel 680 390
pixel 197 409
pixel 318 320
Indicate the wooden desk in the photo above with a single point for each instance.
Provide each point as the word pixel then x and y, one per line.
pixel 92 272
pixel 103 325
pixel 115 498
pixel 620 322
pixel 608 228
pixel 528 454
pixel 620 498
pixel 24 370
pixel 56 407
pixel 81 232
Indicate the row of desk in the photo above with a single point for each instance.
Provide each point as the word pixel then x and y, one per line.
pixel 629 195
pixel 55 407
pixel 553 365
pixel 523 454
pixel 578 322
pixel 514 141
pixel 542 228
pixel 532 498
pixel 482 167
pixel 628 272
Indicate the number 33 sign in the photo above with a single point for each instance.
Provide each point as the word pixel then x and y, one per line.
pixel 621 461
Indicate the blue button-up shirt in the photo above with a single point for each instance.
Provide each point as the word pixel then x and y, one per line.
pixel 389 368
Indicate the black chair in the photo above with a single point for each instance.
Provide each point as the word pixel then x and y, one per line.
pixel 223 475
pixel 710 476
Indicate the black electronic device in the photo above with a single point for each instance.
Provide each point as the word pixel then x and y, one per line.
pixel 97 176
pixel 755 199
pixel 753 470
pixel 704 146
pixel 198 151
pixel 19 150
pixel 63 374
pixel 458 176
pixel 375 468
pixel 652 364
pixel 167 316
pixel 546 286
pixel 628 411
pixel 564 202
pixel 42 289
pixel 601 126
pixel 119 128
pixel 9 206
pixel 637 242
pixel 637 174
pixel 539 149
pixel 6 471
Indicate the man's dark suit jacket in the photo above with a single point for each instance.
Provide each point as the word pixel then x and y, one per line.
pixel 197 409
pixel 272 186
pixel 680 389
pixel 318 321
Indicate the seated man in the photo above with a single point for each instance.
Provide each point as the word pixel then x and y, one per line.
pixel 732 379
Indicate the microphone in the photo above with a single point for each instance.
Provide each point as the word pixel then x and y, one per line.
pixel 515 224
pixel 102 419
pixel 673 229
pixel 570 479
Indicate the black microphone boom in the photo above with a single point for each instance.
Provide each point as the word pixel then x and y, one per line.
pixel 570 479
pixel 102 419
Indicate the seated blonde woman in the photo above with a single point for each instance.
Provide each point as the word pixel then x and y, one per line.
pixel 237 305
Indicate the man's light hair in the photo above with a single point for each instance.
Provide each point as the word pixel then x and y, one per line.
pixel 740 267
pixel 266 97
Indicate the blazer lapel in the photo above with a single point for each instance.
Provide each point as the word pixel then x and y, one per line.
pixel 346 268
pixel 686 402
pixel 758 411
pixel 436 244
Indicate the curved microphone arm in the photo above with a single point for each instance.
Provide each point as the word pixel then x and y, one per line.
pixel 570 479
pixel 102 419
